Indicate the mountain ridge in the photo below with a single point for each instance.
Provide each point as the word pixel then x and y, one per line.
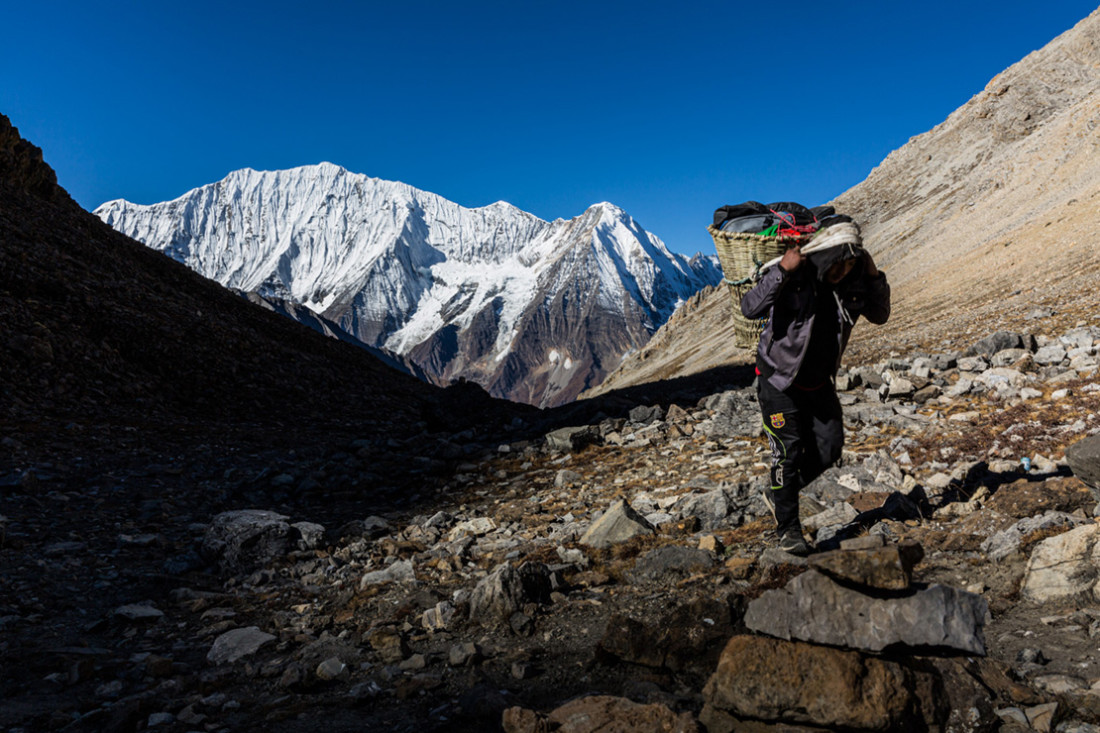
pixel 484 294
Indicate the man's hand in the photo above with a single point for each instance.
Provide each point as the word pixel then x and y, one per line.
pixel 793 259
pixel 869 265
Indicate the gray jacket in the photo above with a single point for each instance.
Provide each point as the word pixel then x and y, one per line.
pixel 788 300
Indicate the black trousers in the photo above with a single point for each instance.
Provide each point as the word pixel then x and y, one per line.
pixel 806 431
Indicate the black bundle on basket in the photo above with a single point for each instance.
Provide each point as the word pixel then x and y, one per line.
pixel 776 228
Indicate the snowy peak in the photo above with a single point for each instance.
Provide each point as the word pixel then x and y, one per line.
pixel 463 292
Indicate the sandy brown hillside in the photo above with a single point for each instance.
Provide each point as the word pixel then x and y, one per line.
pixel 977 221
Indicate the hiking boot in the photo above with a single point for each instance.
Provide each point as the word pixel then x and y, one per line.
pixel 792 542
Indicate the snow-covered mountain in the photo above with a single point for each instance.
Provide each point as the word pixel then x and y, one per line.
pixel 534 311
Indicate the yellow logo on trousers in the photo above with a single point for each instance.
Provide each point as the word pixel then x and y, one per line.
pixel 777 420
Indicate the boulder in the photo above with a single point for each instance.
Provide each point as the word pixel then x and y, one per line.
pixel 671 563
pixel 646 414
pixel 237 644
pixel 506 590
pixel 735 415
pixel 792 682
pixel 572 438
pixel 996 342
pixel 247 539
pixel 600 714
pixel 1083 458
pixel 1050 354
pixel 815 608
pixel 618 524
pixel 1002 544
pixel 837 515
pixel 311 535
pixel 885 568
pixel 1064 567
pixel 712 509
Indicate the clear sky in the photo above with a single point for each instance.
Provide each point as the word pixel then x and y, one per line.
pixel 667 109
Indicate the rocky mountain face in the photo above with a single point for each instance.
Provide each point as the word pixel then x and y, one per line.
pixel 534 311
pixel 976 222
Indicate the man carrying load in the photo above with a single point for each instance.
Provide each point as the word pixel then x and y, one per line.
pixel 811 297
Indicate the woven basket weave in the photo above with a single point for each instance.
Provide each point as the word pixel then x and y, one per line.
pixel 741 256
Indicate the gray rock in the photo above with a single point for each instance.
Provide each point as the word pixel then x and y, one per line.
pixel 1008 357
pixel 884 469
pixel 400 570
pixel 439 520
pixel 619 523
pixel 837 515
pixel 506 590
pixel 735 415
pixel 246 539
pixel 995 343
pixel 712 509
pixel 1083 458
pixel 565 477
pixel 1064 567
pixel 973 364
pixel 898 388
pixel 237 644
pixel 440 617
pixel 572 438
pixel 310 535
pixel 1050 354
pixel 464 654
pixel 671 563
pixel 960 387
pixel 816 609
pixel 646 414
pixel 139 612
pixel 1007 541
pixel 827 488
pixel 332 669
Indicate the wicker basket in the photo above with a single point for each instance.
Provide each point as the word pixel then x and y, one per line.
pixel 741 256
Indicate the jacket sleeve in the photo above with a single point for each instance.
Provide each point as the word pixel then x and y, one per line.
pixel 877 309
pixel 757 302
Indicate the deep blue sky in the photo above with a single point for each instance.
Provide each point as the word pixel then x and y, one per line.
pixel 668 110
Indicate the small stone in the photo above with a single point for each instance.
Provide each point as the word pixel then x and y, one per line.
pixel 1031 656
pixel 139 612
pixel 476 527
pixel 160 719
pixel 565 477
pixel 712 544
pixel 523 670
pixel 740 568
pixel 619 523
pixel 464 654
pixel 331 669
pixel 389 644
pixel 414 663
pixel 400 570
pixel 1041 717
pixel 440 617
